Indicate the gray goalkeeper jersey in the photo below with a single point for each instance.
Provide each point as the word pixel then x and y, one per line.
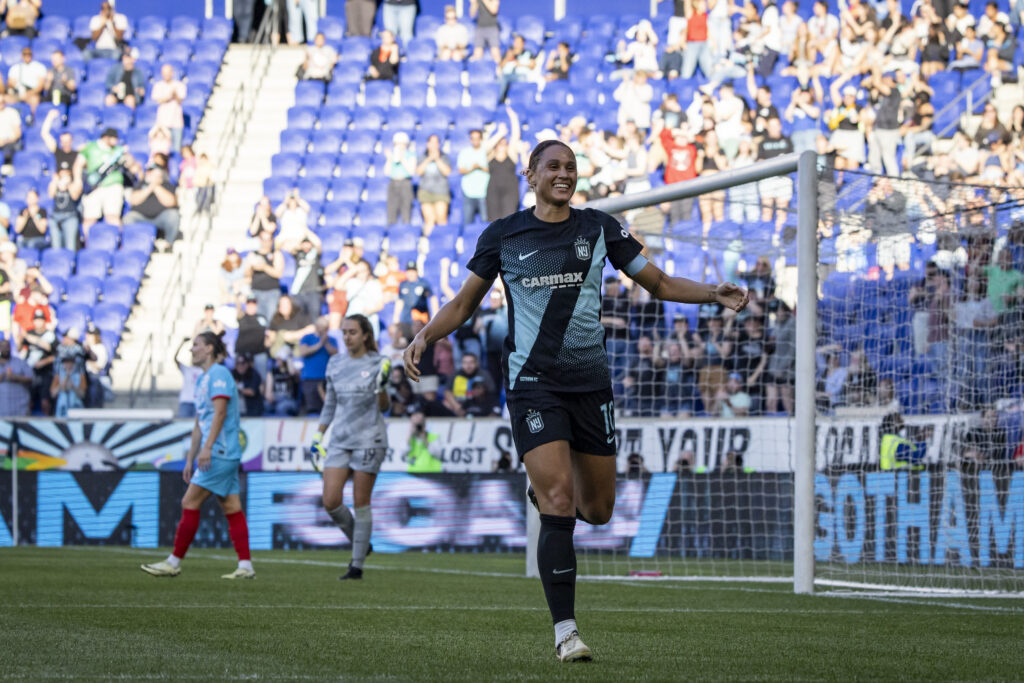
pixel 351 402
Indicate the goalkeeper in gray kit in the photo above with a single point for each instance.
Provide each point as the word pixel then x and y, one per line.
pixel 355 402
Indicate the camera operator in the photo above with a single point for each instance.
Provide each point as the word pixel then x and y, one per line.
pixel 424 449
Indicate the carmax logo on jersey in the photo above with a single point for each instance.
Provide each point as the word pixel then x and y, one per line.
pixel 554 281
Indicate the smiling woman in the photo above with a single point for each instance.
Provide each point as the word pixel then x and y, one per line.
pixel 557 381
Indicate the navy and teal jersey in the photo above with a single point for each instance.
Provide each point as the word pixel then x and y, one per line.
pixel 217 382
pixel 552 274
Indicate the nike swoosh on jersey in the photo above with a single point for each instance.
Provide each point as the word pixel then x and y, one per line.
pixel 561 571
pixel 523 257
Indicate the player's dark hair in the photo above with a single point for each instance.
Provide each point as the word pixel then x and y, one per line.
pixel 538 152
pixel 366 328
pixel 220 350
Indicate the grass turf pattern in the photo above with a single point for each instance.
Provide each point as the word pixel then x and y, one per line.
pixel 90 613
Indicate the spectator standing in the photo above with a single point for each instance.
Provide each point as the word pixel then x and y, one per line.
pixel 32 223
pixel 733 400
pixel 473 165
pixel 62 148
pixel 641 52
pixel 451 38
pixel 715 348
pixel 492 326
pixel 634 97
pixel 316 348
pixel 680 164
pixel 20 18
pixel 400 166
pixel 416 299
pixel 860 384
pixel 252 334
pixel 61 83
pixel 399 17
pixel 644 382
pixel 302 13
pixel 778 191
pixel 517 64
pixel 1004 282
pixel 233 287
pixel 16 380
pixel 25 81
pixel 265 266
pixel 125 84
pixel 363 294
pixel 359 16
pixel 250 388
pixel 307 287
pixel 804 114
pixel 101 165
pixel 502 165
pixel 319 62
pixel 487 35
pixel 106 34
pixel 288 326
pixel 281 388
pixel 169 93
pixel 68 387
pixel 209 322
pixel 10 131
pixel 189 376
pixel 293 219
pixel 697 51
pixel 39 346
pixel 885 129
pixel 434 193
pixel 384 60
pixel 751 352
pixel 155 202
pixel 96 369
pixel 263 218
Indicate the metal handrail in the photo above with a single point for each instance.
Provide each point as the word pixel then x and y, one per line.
pixel 139 374
pixel 966 94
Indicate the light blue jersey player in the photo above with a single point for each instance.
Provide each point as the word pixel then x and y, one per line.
pixel 211 466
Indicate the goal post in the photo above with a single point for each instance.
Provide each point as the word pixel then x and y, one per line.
pixel 802 451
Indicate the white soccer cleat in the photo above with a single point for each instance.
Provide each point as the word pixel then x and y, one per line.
pixel 240 574
pixel 164 568
pixel 572 649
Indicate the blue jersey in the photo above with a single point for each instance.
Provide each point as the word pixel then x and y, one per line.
pixel 552 274
pixel 217 382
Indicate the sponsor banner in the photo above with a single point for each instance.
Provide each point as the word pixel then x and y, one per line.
pixel 475 445
pixel 932 517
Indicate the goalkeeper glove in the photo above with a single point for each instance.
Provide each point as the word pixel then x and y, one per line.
pixel 384 375
pixel 317 452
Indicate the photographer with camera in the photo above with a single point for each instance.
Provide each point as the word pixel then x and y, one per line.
pixel 424 449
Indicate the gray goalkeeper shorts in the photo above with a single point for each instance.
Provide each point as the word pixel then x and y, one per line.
pixel 360 459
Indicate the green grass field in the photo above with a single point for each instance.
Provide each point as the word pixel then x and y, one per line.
pixel 90 613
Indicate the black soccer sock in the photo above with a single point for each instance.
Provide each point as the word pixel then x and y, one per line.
pixel 556 561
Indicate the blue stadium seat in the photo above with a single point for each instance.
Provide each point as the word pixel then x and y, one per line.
pixel 54 27
pixel 361 142
pixel 110 316
pixel 92 94
pixel 176 51
pixel 419 51
pixel 151 28
pixel 138 237
pixel 373 213
pixel 555 93
pixel 568 29
pixel 531 28
pixel 333 28
pixel 413 72
pixel 120 290
pixel 118 117
pixel 346 190
pixel 208 51
pixel 320 165
pixel 184 28
pixel 351 165
pixel 378 93
pixel 600 26
pixel 31 164
pixel 414 94
pixel 202 73
pixel 15 187
pixel 335 118
pixel 294 141
pixel 83 289
pixel 522 96
pixel 129 263
pixel 80 26
pixel 402 118
pixel 348 73
pixel 377 189
pixel 339 214
pixel 473 118
pixel 145 116
pixel 103 237
pixel 447 74
pixel 403 238
pixel 148 52
pixel 96 71
pixel 427 25
pixel 369 118
pixel 217 28
pixel 302 117
pixel 313 189
pixel 436 117
pixel 372 236
pixel 481 71
pixel 285 165
pixel 484 95
pixel 327 141
pixel 92 262
pixel 309 94
pixel 73 315
pixel 342 95
pixel 356 49
pixel 333 238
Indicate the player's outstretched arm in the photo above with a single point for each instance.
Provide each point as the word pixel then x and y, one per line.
pixel 684 291
pixel 447 320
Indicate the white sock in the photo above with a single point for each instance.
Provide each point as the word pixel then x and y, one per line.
pixel 173 561
pixel 563 629
pixel 343 518
pixel 361 535
pixel 245 564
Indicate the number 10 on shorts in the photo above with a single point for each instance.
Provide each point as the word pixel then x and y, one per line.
pixel 608 411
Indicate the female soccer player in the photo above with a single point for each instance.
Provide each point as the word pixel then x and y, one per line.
pixel 215 452
pixel 356 396
pixel 556 373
